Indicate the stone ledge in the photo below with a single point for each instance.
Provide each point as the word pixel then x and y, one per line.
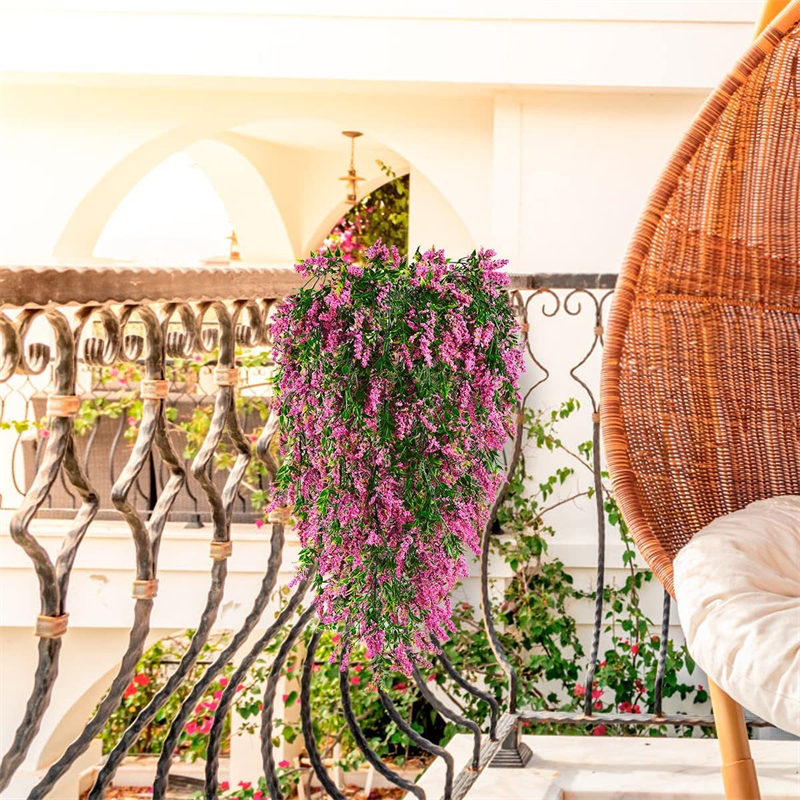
pixel 616 768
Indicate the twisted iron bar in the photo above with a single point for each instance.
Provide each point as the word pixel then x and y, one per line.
pixel 198 690
pixel 448 713
pixel 494 706
pixel 270 690
pixel 307 725
pixel 228 694
pixel 361 740
pixel 53 577
pixel 420 741
pixel 662 655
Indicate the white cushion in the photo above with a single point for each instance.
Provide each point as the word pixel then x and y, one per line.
pixel 737 583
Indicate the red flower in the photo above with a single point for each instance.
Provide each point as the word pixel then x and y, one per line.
pixel 635 709
pixel 599 730
pixel 285 698
pixel 259 523
pixel 141 679
pixel 336 638
pixel 699 687
pixel 596 694
pixel 218 694
pixel 355 680
pixel 245 784
pixel 223 682
pixel 654 639
pixel 400 687
pixel 240 687
pixel 626 707
pixel 579 690
pixel 284 764
pixel 598 705
pixel 635 649
pixel 358 668
pixel 130 691
pixel 431 678
pixel 224 786
pixel 191 728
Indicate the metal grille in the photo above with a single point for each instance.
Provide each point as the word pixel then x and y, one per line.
pixel 146 484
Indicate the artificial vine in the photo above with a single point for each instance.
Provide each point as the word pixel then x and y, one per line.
pixel 395 389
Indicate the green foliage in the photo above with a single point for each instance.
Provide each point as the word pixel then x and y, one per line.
pixel 382 214
pixel 152 672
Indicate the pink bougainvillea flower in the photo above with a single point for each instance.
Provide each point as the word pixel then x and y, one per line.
pixel 599 730
pixel 245 784
pixel 44 433
pixel 223 682
pixel 285 697
pixel 191 728
pixel 596 694
pixel 218 694
pixel 355 680
pixel 336 638
pixel 141 679
pixel 224 786
pixel 130 691
pixel 259 523
pixel 284 764
pixel 635 649
pixel 259 795
pixel 431 678
pixel 240 687
pixel 396 392
pixel 579 690
pixel 598 705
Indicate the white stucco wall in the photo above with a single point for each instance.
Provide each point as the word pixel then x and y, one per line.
pixel 537 128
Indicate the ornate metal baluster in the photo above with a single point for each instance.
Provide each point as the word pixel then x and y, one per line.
pixel 224 658
pixel 146 534
pixel 306 724
pixel 53 578
pixel 361 740
pixel 225 702
pixel 270 690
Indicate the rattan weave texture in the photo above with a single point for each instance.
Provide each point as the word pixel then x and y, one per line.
pixel 700 397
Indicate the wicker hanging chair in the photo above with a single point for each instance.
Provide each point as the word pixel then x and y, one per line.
pixel 700 397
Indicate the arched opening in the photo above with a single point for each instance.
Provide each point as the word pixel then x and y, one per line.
pixel 173 215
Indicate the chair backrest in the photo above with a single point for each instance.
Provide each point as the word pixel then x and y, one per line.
pixel 700 396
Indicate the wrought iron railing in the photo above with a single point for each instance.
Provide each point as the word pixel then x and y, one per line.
pixel 159 320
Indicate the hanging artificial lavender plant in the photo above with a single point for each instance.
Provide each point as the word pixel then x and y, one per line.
pixel 396 389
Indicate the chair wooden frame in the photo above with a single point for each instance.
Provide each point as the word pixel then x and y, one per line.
pixel 699 410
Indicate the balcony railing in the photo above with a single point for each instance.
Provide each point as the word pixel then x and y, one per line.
pixel 189 355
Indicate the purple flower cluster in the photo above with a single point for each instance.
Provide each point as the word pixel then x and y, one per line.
pixel 396 389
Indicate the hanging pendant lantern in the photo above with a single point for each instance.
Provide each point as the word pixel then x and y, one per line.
pixel 352 178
